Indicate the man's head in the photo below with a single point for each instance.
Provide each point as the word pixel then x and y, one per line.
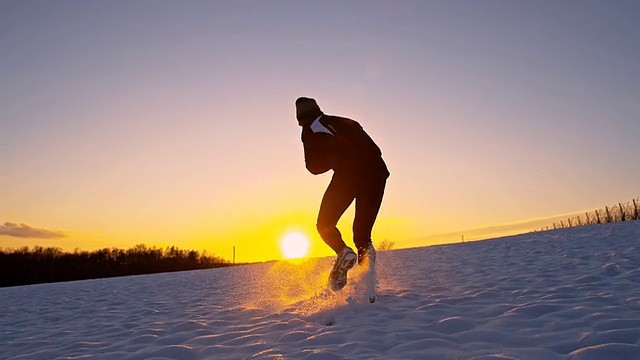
pixel 307 110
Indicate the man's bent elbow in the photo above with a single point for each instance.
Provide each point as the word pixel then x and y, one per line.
pixel 317 170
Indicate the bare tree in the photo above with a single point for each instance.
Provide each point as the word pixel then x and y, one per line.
pixel 385 245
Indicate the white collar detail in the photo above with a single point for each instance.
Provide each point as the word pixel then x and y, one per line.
pixel 317 127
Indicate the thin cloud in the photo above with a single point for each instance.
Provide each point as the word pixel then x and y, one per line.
pixel 26 231
pixel 519 227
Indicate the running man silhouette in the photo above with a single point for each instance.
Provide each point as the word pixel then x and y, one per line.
pixel 359 173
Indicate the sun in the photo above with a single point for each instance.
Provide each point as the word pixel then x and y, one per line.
pixel 294 245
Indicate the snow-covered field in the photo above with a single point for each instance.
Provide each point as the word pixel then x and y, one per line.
pixel 565 294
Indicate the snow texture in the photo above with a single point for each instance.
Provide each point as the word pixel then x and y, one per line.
pixel 564 294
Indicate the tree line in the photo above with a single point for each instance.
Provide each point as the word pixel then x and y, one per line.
pixel 26 265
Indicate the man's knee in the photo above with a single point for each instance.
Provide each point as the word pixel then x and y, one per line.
pixel 323 228
pixel 326 229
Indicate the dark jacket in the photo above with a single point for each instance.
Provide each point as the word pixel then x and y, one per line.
pixel 341 144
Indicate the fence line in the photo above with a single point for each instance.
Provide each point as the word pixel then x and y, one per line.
pixel 616 213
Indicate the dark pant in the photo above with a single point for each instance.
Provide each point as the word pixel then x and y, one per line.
pixel 339 195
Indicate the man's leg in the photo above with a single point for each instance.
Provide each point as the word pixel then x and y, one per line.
pixel 336 200
pixel 368 201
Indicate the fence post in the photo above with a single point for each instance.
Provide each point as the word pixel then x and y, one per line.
pixel 569 220
pixel 588 220
pixel 606 208
pixel 635 212
pixel 622 214
pixel 598 216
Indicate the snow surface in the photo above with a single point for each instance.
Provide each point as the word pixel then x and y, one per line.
pixel 564 294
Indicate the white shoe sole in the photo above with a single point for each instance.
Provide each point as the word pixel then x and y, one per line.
pixel 340 280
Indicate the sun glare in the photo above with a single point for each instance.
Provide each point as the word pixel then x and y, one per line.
pixel 294 246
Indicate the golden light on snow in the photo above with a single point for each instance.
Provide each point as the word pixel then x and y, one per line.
pixel 294 245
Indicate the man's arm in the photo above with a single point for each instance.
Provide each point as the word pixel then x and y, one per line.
pixel 316 156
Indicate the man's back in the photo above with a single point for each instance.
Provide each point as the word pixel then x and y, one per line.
pixel 341 144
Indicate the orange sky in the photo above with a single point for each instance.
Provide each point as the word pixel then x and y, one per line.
pixel 174 124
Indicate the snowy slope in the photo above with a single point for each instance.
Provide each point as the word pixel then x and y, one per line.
pixel 565 294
